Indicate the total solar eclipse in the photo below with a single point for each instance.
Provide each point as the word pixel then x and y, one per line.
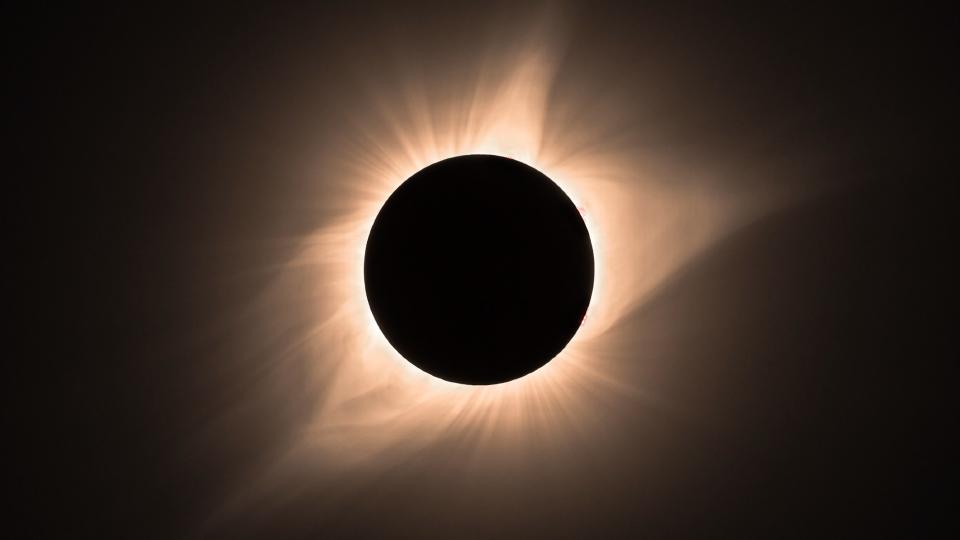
pixel 479 269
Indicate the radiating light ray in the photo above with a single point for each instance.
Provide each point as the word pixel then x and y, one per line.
pixel 377 409
pixel 641 230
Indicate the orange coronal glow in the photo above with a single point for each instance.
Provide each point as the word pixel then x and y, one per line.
pixel 375 408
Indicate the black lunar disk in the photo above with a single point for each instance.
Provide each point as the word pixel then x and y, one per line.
pixel 479 269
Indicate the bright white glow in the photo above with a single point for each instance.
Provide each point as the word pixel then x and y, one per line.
pixel 646 219
pixel 641 229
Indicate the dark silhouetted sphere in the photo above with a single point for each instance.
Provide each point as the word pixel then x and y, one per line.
pixel 478 269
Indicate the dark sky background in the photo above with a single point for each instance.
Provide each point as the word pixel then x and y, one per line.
pixel 812 343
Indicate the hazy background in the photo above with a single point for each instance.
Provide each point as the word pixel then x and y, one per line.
pixel 798 363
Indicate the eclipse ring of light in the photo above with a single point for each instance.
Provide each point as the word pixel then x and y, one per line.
pixel 479 269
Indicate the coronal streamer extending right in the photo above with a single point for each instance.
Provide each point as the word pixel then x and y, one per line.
pixel 647 215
